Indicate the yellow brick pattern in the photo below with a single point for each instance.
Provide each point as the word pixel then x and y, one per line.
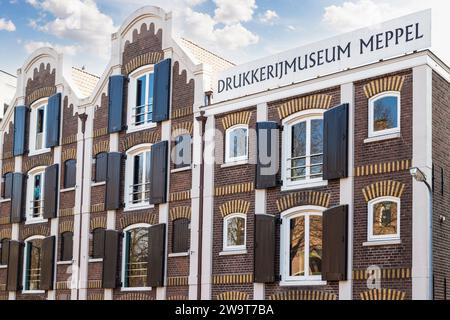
pixel 2 287
pixel 320 199
pixel 180 213
pixel 385 274
pixel 234 189
pixel 136 139
pixel 383 294
pixel 181 112
pixel 233 295
pixel 130 219
pixel 62 285
pixel 40 93
pixel 233 279
pixel 134 296
pixel 180 196
pixel 387 188
pixel 382 85
pixel 41 230
pixel 143 60
pixel 306 295
pixel 101 146
pixel 235 206
pixel 42 160
pixel 69 154
pixel 98 222
pixel 9 167
pixel 236 118
pixel 66 226
pixel 177 281
pixel 182 128
pixel 66 212
pixel 381 168
pixel 4 220
pixel 4 296
pixel 99 207
pixel 95 284
pixel 95 296
pixel 69 139
pixel 5 233
pixel 100 132
pixel 178 298
pixel 317 101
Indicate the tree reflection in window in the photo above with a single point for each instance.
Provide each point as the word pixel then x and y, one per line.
pixel 385 218
pixel 235 232
pixel 33 265
pixel 136 263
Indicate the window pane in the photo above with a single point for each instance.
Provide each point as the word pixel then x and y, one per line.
pixel 39 128
pixel 33 265
pixel 385 215
pixel 36 202
pixel 235 232
pixel 238 143
pixel 298 152
pixel 150 97
pixel 136 269
pixel 315 245
pixel 182 151
pixel 316 148
pixel 385 114
pixel 147 175
pixel 140 100
pixel 297 247
pixel 138 168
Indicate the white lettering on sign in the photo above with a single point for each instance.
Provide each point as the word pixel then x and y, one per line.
pixel 389 39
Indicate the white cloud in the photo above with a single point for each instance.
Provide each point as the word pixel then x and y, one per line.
pixel 235 36
pixel 234 11
pixel 31 46
pixel 269 17
pixel 7 25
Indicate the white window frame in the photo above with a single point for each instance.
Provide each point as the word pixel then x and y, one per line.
pixel 372 132
pixel 124 253
pixel 24 266
pixel 286 279
pixel 228 157
pixel 129 167
pixel 134 76
pixel 33 122
pixel 29 196
pixel 288 123
pixel 374 238
pixel 226 247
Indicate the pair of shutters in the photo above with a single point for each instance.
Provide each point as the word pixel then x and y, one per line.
pixel 335 145
pixel 334 244
pixel 15 266
pixel 156 257
pixel 158 184
pixel 52 122
pixel 161 97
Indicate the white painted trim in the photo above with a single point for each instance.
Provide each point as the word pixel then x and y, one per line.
pixel 383 137
pixel 41 103
pixel 377 238
pixel 177 255
pixel 225 246
pixel 233 253
pixel 187 168
pixel 372 132
pixel 228 158
pixel 234 164
pixel 382 243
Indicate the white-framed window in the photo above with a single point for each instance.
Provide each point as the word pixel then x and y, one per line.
pixel 140 99
pixel 35 195
pixel 38 127
pixel 32 263
pixel 236 143
pixel 135 257
pixel 301 246
pixel 234 232
pixel 302 164
pixel 384 114
pixel 137 177
pixel 384 219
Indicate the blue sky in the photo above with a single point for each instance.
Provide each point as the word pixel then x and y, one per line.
pixel 240 30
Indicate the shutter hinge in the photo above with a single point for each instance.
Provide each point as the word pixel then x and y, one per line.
pixel 278 278
pixel 280 183
pixel 280 127
pixel 279 221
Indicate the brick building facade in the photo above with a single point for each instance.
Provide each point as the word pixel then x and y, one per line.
pixel 138 186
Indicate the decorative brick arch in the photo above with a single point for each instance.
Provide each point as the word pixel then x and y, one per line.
pixel 383 294
pixel 233 295
pixel 297 199
pixel 236 118
pixel 180 213
pixel 235 206
pixel 378 86
pixel 309 295
pixel 386 188
pixel 66 226
pixel 134 218
pixel 317 101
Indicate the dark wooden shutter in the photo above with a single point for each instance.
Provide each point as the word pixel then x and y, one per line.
pixel 67 246
pixel 335 143
pixel 70 173
pixel 14 266
pixel 8 185
pixel 112 199
pixel 47 263
pixel 4 252
pixel 20 124
pixel 156 255
pixel 101 167
pixel 158 183
pixel 116 103
pixel 180 236
pixel 334 244
pixel 17 212
pixel 264 260
pixel 98 245
pixel 53 121
pixel 111 259
pixel 161 91
pixel 267 134
pixel 51 192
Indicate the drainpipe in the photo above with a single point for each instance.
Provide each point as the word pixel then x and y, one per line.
pixel 83 117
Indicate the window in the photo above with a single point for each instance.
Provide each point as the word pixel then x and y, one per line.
pixel 70 173
pixel 66 246
pixel 137 178
pixel 303 151
pixel 101 167
pixel 182 156
pixel 4 252
pixel 140 113
pixel 98 243
pixel 234 229
pixel 135 253
pixel 32 264
pixel 38 127
pixel 301 246
pixel 35 192
pixel 236 144
pixel 384 114
pixel 180 236
pixel 384 219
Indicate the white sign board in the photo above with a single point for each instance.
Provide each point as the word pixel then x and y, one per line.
pixel 389 39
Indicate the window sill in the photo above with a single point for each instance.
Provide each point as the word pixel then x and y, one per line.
pixel 302 186
pixel 234 164
pixel 383 137
pixel 133 128
pixel 181 169
pixel 5 200
pixel 233 253
pixel 62 263
pixel 302 283
pixel 38 152
pixel 68 189
pixel 36 221
pixel 378 243
pixel 3 267
pixel 97 184
pixel 33 291
pixel 135 289
pixel 93 260
pixel 181 254
pixel 138 208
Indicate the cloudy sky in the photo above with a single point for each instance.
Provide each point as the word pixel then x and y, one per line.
pixel 240 30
